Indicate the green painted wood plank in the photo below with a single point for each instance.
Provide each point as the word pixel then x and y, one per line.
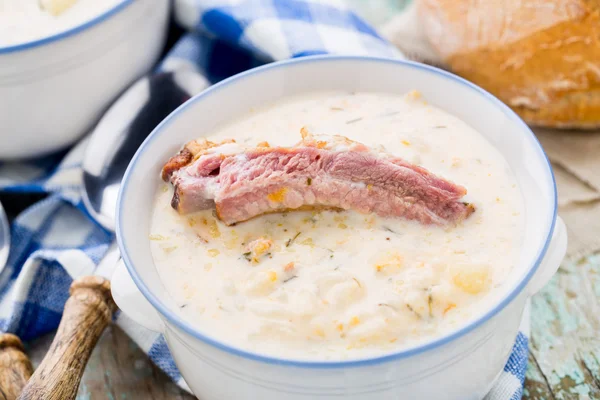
pixel 565 334
pixel 536 385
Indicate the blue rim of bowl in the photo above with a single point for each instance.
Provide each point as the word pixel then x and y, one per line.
pixel 69 32
pixel 361 362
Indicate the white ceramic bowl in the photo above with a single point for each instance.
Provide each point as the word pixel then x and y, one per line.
pixel 460 365
pixel 54 89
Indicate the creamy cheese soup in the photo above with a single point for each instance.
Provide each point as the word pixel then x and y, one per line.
pixel 28 20
pixel 337 285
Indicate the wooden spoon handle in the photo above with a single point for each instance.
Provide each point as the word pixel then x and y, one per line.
pixel 87 312
pixel 15 367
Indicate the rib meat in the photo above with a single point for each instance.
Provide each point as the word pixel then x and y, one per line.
pixel 318 172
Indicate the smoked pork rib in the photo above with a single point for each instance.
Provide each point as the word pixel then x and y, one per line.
pixel 318 172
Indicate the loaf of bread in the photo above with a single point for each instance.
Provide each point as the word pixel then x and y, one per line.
pixel 541 57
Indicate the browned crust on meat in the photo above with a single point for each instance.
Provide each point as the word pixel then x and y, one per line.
pixel 470 209
pixel 180 160
pixel 175 200
pixel 191 151
pixel 196 148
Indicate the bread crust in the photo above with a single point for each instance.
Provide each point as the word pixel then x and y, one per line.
pixel 548 71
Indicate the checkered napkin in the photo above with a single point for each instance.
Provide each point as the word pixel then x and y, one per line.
pixel 56 240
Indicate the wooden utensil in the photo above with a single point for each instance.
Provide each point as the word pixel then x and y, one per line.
pixel 87 313
pixel 15 367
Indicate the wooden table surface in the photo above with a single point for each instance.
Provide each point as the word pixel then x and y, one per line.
pixel 564 361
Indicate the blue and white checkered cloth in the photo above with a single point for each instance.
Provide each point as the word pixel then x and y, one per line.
pixel 55 240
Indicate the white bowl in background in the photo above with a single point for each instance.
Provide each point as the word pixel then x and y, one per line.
pixel 460 365
pixel 54 89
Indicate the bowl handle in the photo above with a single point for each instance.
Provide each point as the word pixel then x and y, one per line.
pixel 551 261
pixel 132 302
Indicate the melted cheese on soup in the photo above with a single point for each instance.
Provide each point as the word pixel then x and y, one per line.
pixel 339 285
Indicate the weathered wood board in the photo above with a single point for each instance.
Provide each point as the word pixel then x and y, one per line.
pixel 118 370
pixel 564 362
